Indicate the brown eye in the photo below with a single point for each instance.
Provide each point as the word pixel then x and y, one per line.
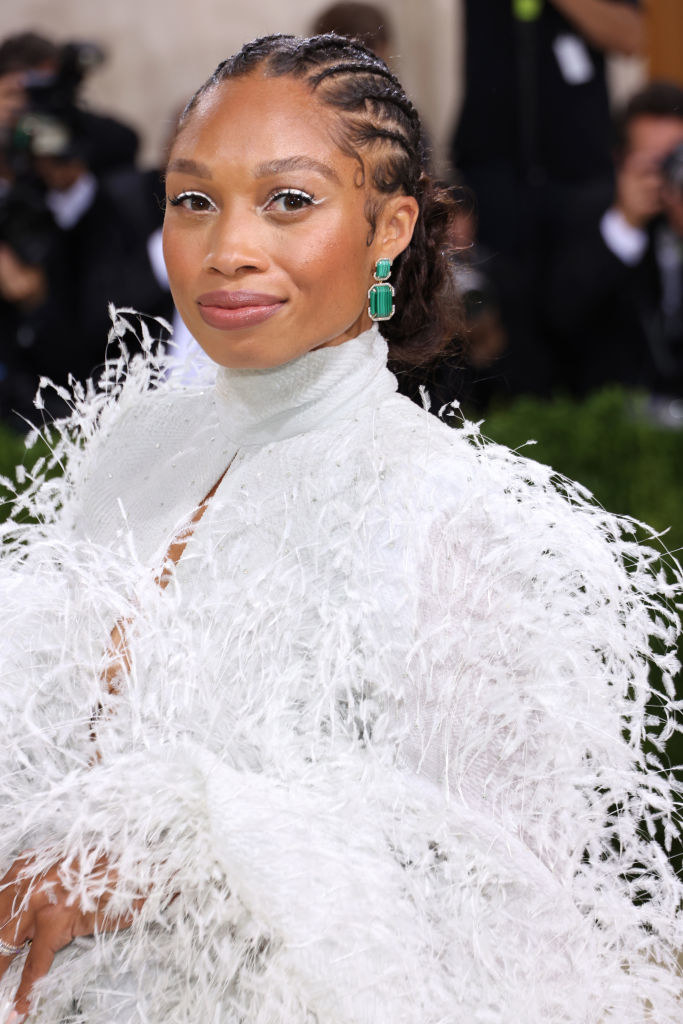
pixel 197 202
pixel 290 200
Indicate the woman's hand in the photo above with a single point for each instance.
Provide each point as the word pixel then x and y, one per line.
pixel 42 911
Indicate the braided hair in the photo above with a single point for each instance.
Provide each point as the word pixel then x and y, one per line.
pixel 381 129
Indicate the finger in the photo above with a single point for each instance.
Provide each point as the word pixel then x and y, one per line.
pixel 38 963
pixel 14 916
pixel 16 928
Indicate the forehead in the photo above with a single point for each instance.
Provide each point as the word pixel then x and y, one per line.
pixel 253 118
pixel 657 134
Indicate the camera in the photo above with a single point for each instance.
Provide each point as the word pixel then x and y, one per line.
pixel 49 126
pixel 672 168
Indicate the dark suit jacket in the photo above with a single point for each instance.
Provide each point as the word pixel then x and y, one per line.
pixel 608 319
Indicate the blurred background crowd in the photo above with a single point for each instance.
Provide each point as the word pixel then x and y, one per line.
pixel 569 243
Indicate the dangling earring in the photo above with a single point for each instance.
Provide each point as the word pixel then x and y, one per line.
pixel 381 295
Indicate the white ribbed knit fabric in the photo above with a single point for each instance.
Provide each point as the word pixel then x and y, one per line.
pixel 380 736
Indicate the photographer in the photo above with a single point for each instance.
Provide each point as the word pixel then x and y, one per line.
pixel 617 290
pixel 75 216
pixel 38 75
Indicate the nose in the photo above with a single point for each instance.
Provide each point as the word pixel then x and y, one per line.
pixel 235 244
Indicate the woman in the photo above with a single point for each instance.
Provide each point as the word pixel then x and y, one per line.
pixel 316 710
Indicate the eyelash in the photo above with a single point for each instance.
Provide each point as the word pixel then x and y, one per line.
pixel 308 200
pixel 182 197
pixel 297 193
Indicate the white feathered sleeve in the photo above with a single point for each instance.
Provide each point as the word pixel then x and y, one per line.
pixel 546 668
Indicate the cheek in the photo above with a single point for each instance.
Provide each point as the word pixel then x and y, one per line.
pixel 180 259
pixel 333 261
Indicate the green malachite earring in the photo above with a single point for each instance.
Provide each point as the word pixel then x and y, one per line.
pixel 381 295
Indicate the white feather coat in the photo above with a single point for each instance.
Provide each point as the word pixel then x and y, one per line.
pixel 378 755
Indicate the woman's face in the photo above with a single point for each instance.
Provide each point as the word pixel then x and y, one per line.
pixel 265 233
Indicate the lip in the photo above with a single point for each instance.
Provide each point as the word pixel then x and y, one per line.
pixel 228 311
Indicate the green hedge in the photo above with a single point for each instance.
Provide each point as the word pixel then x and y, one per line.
pixel 607 443
pixel 12 451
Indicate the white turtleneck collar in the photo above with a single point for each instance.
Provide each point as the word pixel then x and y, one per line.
pixel 170 450
pixel 259 406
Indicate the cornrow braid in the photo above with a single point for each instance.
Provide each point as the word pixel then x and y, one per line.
pixel 381 129
pixel 346 68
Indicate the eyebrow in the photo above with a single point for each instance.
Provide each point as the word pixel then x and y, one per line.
pixel 296 163
pixel 264 170
pixel 185 166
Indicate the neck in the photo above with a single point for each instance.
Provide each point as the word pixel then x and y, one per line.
pixel 259 406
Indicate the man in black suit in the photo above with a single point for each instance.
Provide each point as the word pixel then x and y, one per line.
pixel 616 293
pixel 533 145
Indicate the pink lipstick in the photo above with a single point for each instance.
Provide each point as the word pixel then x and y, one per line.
pixel 229 311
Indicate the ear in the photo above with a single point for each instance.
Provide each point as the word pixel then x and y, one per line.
pixel 395 226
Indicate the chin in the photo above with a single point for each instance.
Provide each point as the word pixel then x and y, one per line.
pixel 250 354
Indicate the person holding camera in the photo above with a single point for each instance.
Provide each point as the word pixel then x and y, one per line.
pixel 75 217
pixel 616 295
